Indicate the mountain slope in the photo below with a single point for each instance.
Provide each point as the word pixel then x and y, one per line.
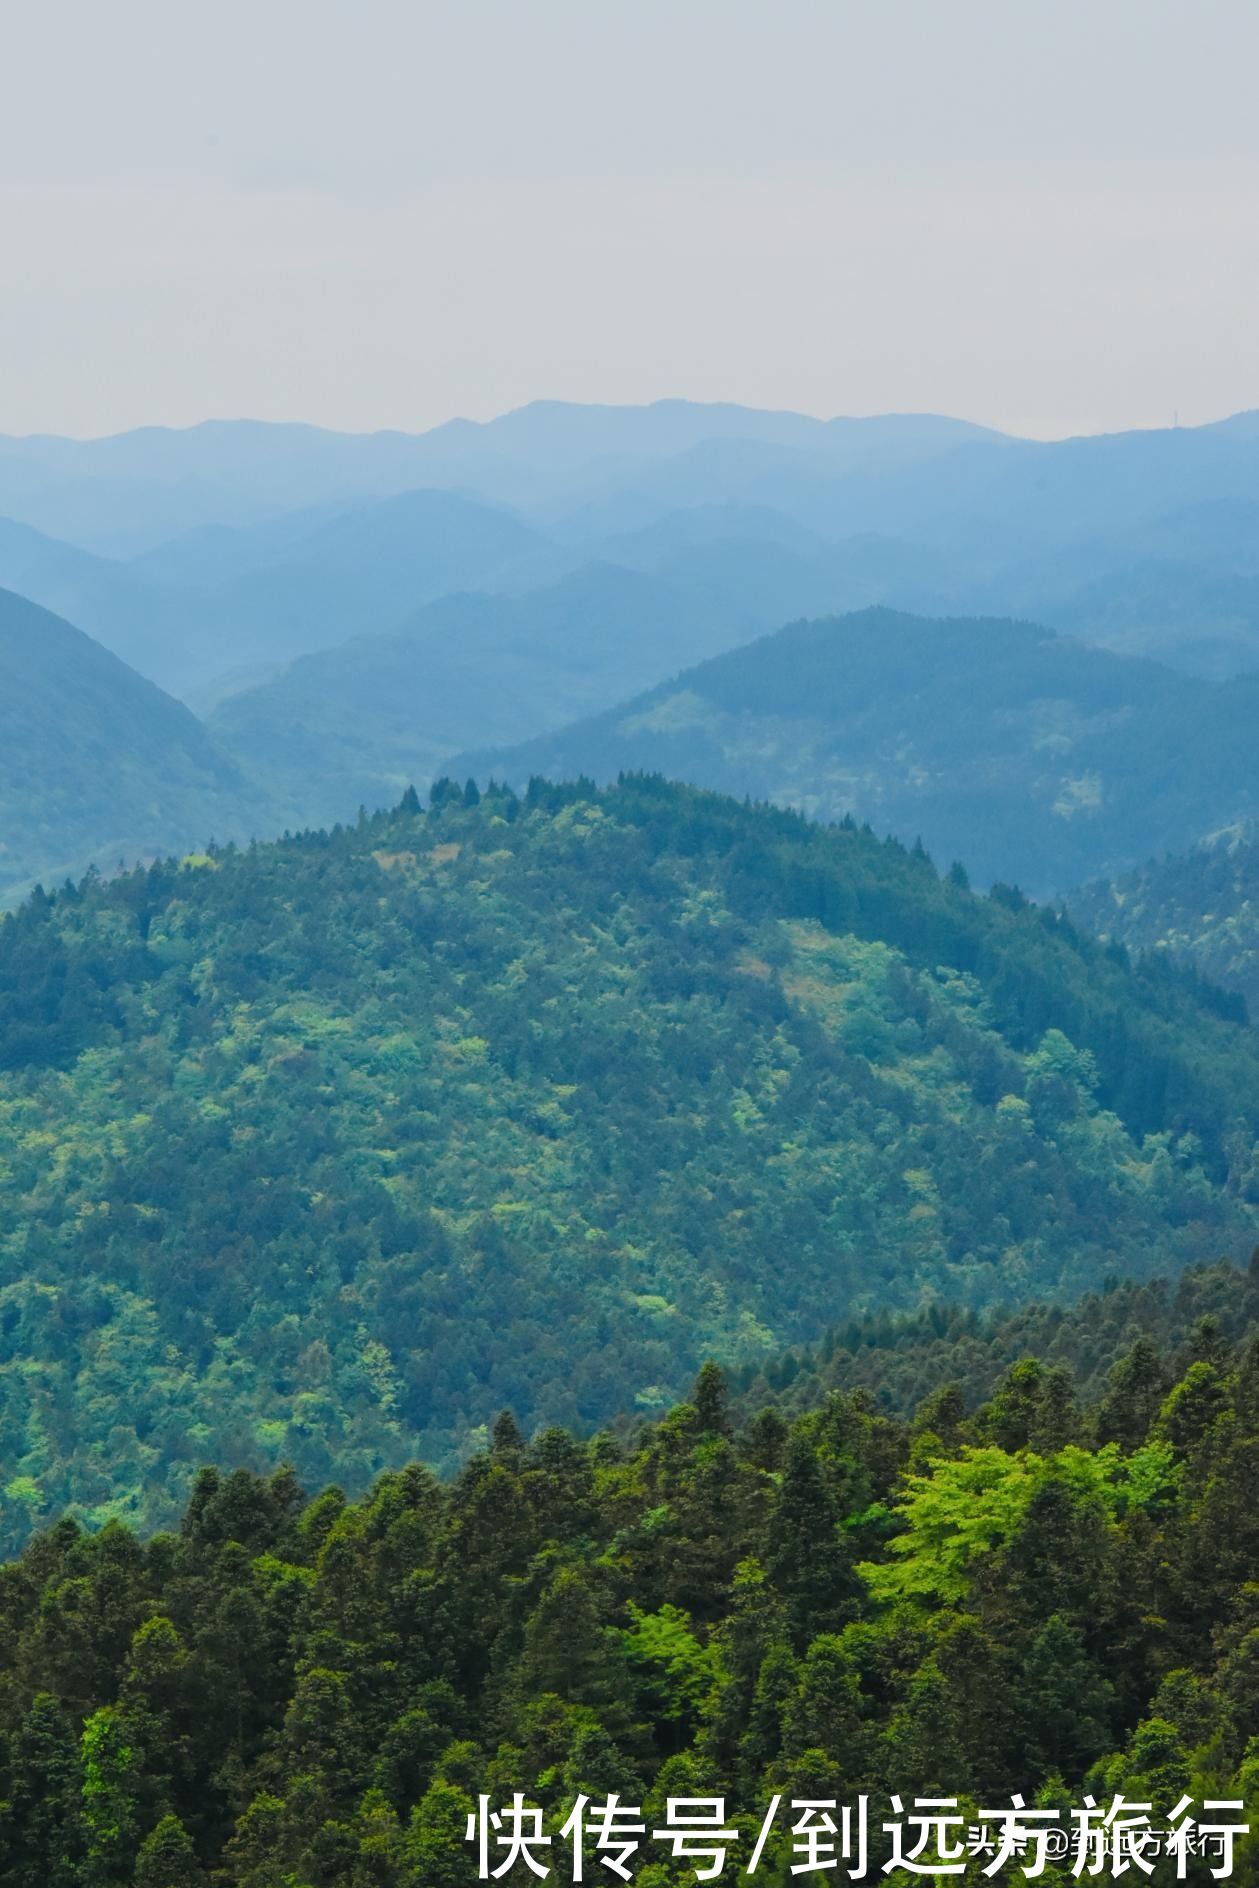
pixel 1062 492
pixel 328 1149
pixel 1204 621
pixel 1028 756
pixel 132 618
pixel 364 570
pixel 355 723
pixel 1201 907
pixel 1182 587
pixel 96 764
pixel 219 605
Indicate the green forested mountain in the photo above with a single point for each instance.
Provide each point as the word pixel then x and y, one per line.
pixel 96 764
pixel 1036 1595
pixel 901 1358
pixel 1201 907
pixel 325 1150
pixel 1031 757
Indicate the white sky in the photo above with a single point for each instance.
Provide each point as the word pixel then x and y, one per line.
pixel 1036 213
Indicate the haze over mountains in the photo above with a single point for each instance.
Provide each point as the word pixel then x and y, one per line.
pixel 129 492
pixel 96 764
pixel 349 614
pixel 220 607
pixel 1027 756
pixel 233 530
pixel 357 722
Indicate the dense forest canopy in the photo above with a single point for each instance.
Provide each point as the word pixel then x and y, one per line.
pixel 1036 1595
pixel 324 1150
pixel 411 1170
pixel 899 1358
pixel 1199 907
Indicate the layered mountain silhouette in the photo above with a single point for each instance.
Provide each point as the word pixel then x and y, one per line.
pixel 223 607
pixel 359 721
pixel 236 548
pixel 97 765
pixel 1028 755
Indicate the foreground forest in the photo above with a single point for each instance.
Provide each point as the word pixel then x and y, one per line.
pixel 326 1150
pixel 1032 1595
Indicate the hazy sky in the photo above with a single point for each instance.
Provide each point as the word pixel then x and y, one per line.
pixel 1036 213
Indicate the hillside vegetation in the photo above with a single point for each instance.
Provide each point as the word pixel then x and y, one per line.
pixel 1200 907
pixel 1031 1596
pixel 325 1150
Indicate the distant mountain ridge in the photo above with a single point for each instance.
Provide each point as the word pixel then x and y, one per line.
pixel 237 547
pixel 358 722
pixel 352 613
pixel 1026 755
pixel 238 471
pixel 126 493
pixel 225 602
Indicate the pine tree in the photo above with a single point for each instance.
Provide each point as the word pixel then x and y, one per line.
pixel 1134 1394
pixel 43 1833
pixel 807 1560
pixel 167 1858
pixel 712 1403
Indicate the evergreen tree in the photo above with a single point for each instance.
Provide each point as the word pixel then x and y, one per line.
pixel 167 1858
pixel 806 1557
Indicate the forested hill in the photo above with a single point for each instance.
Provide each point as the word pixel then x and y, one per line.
pixel 329 1148
pixel 96 764
pixel 961 1354
pixel 326 1150
pixel 1037 1595
pixel 1200 907
pixel 1030 756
